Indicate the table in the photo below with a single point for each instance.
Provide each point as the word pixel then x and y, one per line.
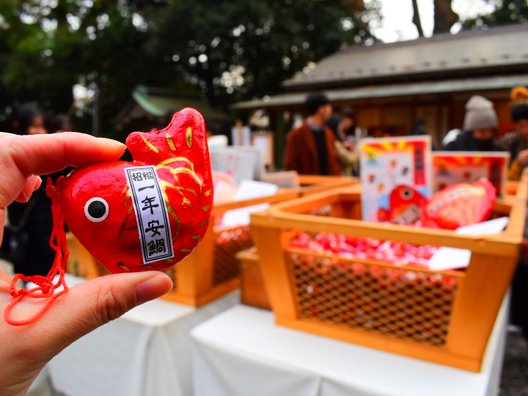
pixel 42 385
pixel 145 352
pixel 241 352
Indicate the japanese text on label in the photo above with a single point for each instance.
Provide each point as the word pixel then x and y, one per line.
pixel 151 213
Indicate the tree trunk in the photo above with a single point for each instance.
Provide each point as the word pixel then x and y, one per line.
pixel 355 5
pixel 444 16
pixel 416 18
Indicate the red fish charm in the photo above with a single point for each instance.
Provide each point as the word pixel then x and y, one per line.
pixel 460 205
pixel 405 205
pixel 148 213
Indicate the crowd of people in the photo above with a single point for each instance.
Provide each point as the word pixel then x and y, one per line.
pixel 326 143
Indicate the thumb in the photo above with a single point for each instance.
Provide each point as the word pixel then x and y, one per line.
pixel 94 303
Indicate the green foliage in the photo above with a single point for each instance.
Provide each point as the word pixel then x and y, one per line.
pixel 505 12
pixel 48 46
pixel 240 48
pixel 228 50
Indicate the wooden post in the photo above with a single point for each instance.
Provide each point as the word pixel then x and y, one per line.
pixel 478 302
pixel 194 272
pixel 274 270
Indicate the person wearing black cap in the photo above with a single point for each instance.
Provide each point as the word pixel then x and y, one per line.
pixel 516 142
pixel 310 149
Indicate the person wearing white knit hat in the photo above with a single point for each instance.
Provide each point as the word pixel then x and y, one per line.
pixel 480 126
pixel 480 114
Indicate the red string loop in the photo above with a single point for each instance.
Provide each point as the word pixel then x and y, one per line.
pixel 51 286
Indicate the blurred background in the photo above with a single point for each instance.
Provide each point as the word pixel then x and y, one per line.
pixel 117 66
pixel 388 68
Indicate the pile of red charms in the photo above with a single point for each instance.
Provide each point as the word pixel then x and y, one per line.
pixel 399 253
pixel 406 302
pixel 233 235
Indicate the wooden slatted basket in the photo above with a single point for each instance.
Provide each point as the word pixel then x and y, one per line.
pixel 252 289
pixel 80 262
pixel 311 184
pixel 212 269
pixel 440 316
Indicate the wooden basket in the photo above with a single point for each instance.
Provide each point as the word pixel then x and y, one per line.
pixel 80 262
pixel 252 288
pixel 440 316
pixel 311 184
pixel 212 269
pixel 511 187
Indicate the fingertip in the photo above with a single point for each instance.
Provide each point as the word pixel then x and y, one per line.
pixel 38 183
pixel 153 287
pixel 113 143
pixel 32 184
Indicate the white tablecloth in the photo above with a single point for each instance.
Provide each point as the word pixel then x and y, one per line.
pixel 145 352
pixel 241 352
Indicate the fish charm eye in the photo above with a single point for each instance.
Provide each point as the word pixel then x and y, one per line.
pixel 406 194
pixel 96 209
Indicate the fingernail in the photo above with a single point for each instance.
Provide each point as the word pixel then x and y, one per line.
pixel 112 142
pixel 38 183
pixel 152 288
pixel 26 195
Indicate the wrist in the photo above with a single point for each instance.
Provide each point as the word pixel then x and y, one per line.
pixel 17 379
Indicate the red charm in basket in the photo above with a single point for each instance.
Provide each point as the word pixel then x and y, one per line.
pixel 148 213
pixel 460 205
pixel 405 205
pixel 399 253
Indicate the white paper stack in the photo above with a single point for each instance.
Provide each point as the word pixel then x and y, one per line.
pixel 452 258
pixel 248 189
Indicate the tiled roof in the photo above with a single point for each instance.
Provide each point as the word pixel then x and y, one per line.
pixel 444 54
pixel 392 90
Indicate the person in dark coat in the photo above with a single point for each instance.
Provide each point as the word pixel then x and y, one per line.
pixel 418 128
pixel 516 142
pixel 36 213
pixel 345 141
pixel 480 127
pixel 310 149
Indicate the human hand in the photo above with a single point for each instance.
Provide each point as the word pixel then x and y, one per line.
pixel 523 157
pixel 25 350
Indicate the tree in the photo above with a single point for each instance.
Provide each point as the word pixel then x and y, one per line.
pixel 505 12
pixel 53 45
pixel 444 17
pixel 416 18
pixel 240 49
pixel 228 50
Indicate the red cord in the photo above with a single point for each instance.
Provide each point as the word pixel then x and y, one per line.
pixel 45 287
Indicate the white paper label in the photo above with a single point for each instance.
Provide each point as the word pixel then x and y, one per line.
pixel 151 213
pixel 452 258
pixel 248 189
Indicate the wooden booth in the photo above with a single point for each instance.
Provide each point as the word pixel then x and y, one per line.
pixel 389 86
